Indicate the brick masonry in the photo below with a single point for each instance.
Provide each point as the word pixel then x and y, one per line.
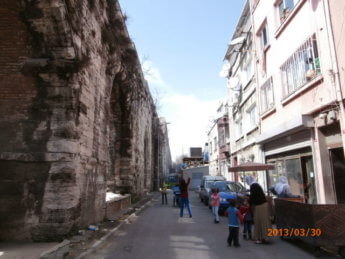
pixel 76 116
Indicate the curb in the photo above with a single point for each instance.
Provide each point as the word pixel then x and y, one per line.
pixel 57 251
pixel 62 249
pixel 104 238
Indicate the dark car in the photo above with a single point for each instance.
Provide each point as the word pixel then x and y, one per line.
pixel 228 190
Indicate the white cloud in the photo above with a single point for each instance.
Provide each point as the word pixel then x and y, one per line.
pixel 188 115
pixel 152 74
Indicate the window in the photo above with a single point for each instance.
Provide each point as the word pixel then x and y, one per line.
pixel 215 143
pixel 222 137
pixel 267 97
pixel 301 67
pixel 239 130
pixel 247 65
pixel 252 117
pixel 285 7
pixel 222 186
pixel 263 34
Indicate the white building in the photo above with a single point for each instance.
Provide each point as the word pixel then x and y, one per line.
pixel 243 98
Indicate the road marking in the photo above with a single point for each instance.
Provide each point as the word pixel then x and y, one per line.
pixel 185 220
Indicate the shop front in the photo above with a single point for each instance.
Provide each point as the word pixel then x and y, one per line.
pixel 297 167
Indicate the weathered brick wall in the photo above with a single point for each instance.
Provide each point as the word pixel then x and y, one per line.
pixel 76 116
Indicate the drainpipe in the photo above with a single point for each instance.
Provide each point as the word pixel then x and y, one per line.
pixel 334 73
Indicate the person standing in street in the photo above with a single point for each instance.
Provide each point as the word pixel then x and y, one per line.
pixel 247 218
pixel 164 191
pixel 235 218
pixel 215 201
pixel 258 201
pixel 184 201
pixel 177 193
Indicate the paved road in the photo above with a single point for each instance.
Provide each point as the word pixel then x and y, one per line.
pixel 159 232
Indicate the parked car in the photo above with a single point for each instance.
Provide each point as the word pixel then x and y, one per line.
pixel 205 187
pixel 228 190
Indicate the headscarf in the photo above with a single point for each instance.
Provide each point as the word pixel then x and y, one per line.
pixel 250 180
pixel 282 185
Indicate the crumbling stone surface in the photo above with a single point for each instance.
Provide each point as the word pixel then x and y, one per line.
pixel 76 116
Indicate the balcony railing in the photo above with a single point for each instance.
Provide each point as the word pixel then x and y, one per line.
pixel 301 67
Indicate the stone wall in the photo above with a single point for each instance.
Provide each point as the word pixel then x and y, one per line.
pixel 76 116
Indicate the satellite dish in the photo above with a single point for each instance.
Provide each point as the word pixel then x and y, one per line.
pixel 238 40
pixel 225 69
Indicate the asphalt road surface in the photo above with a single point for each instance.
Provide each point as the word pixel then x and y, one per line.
pixel 159 232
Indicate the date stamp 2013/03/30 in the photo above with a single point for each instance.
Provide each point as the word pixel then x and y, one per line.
pixel 294 232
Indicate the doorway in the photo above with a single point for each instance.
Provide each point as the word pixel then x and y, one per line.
pixel 338 168
pixel 308 180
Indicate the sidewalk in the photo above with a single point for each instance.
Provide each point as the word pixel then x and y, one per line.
pixel 24 250
pixel 68 248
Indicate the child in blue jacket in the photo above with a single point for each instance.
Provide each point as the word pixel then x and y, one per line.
pixel 235 219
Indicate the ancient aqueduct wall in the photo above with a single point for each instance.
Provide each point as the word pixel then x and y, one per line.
pixel 76 116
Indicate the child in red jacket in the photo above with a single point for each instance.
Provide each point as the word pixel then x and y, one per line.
pixel 248 219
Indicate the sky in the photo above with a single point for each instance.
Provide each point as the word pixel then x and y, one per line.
pixel 182 44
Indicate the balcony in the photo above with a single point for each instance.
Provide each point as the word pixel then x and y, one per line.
pixel 224 151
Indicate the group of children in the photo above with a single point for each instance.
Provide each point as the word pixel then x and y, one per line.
pixel 236 217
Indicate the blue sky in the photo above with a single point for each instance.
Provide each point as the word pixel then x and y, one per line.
pixel 184 42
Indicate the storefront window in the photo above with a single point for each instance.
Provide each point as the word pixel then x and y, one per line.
pixel 294 175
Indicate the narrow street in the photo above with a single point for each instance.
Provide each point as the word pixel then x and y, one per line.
pixel 159 232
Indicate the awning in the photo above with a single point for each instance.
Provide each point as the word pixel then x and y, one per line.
pixel 289 127
pixel 250 166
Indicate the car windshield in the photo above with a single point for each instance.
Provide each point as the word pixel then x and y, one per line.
pixel 208 184
pixel 235 187
pixel 222 186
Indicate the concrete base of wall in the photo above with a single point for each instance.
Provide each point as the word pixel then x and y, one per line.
pixel 116 205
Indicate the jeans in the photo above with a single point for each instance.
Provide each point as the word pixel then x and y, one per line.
pixel 164 198
pixel 176 200
pixel 183 202
pixel 247 227
pixel 215 212
pixel 233 236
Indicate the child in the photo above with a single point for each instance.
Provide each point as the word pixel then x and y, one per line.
pixel 177 192
pixel 215 201
pixel 248 219
pixel 235 218
pixel 164 191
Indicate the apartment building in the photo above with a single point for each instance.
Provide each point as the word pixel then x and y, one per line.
pixel 212 139
pixel 223 140
pixel 300 95
pixel 243 108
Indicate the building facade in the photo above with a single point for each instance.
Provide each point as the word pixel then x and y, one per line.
pixel 242 92
pixel 213 149
pixel 301 103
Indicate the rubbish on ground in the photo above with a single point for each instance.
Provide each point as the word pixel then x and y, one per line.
pixel 93 227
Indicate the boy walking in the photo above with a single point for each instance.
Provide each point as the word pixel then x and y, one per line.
pixel 235 218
